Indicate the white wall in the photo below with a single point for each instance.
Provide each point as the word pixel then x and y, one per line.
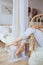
pixel 37 4
pixel 5 15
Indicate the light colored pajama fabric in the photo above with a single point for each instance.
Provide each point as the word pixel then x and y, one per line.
pixel 37 56
pixel 37 34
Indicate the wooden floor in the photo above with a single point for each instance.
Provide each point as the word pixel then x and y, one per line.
pixel 20 62
pixel 2 44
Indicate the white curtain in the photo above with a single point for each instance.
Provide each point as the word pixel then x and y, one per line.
pixel 23 15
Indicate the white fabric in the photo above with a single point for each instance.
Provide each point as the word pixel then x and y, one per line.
pixel 6 34
pixel 37 57
pixel 37 34
pixel 5 30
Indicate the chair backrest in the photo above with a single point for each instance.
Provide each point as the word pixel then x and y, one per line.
pixel 36 22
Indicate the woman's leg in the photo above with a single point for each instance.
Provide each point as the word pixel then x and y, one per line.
pixel 21 48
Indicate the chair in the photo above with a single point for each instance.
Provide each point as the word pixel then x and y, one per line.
pixel 36 22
